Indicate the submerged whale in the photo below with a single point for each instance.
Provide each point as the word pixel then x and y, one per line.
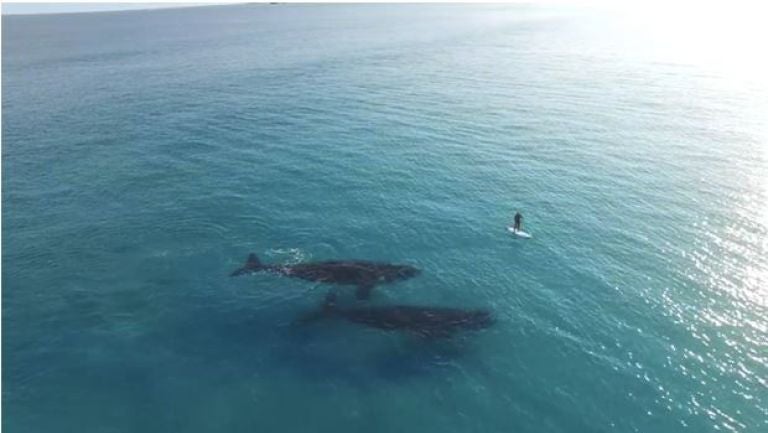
pixel 363 274
pixel 430 322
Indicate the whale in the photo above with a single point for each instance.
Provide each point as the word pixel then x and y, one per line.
pixel 363 274
pixel 424 321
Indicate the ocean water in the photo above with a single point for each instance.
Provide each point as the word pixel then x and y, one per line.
pixel 145 154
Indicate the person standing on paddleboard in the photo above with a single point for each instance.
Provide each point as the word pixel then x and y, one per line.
pixel 518 220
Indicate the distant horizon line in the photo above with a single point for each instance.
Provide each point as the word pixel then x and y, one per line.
pixel 28 9
pixel 108 7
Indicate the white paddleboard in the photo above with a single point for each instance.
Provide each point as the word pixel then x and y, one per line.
pixel 519 233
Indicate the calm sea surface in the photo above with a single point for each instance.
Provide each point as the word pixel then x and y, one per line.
pixel 145 154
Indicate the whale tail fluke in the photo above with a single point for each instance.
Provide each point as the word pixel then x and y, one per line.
pixel 328 309
pixel 252 264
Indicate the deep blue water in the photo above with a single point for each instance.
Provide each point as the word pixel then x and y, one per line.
pixel 145 154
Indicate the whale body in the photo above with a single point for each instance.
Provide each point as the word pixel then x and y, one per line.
pixel 363 274
pixel 431 322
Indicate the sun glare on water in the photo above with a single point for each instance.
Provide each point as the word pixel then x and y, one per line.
pixel 728 37
pixel 720 48
pixel 724 39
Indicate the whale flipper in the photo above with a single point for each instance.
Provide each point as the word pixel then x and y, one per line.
pixel 363 291
pixel 434 333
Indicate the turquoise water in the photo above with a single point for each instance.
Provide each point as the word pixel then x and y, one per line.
pixel 145 154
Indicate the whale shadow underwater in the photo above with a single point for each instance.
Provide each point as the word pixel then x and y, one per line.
pixel 363 274
pixel 422 321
